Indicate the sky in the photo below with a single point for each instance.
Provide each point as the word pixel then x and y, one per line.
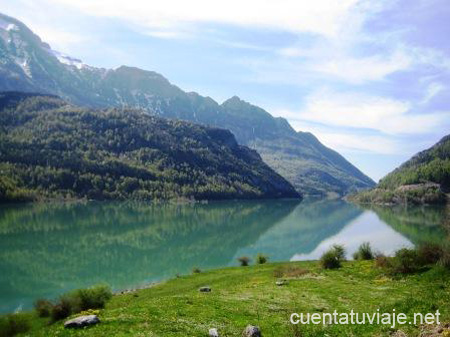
pixel 369 78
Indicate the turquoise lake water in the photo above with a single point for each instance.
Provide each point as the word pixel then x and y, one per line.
pixel 48 249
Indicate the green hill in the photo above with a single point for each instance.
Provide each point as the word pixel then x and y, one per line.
pixel 30 65
pixel 425 178
pixel 432 165
pixel 50 149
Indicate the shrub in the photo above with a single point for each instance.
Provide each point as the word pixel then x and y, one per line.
pixel 430 253
pixel 43 307
pixel 196 270
pixel 364 252
pixel 80 300
pixel 13 324
pixel 244 261
pixel 382 261
pixel 261 259
pixel 63 308
pixel 93 298
pixel 332 259
pixel 444 260
pixel 406 261
pixel 339 251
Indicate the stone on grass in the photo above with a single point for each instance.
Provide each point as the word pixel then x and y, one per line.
pixel 213 333
pixel 251 331
pixel 398 333
pixel 82 321
pixel 205 289
pixel 281 283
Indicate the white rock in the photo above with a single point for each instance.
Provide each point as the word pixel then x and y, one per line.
pixel 251 331
pixel 213 333
pixel 82 321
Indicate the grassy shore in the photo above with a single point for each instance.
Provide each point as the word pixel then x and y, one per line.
pixel 249 295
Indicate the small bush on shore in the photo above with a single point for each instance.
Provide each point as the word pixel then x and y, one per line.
pixel 244 261
pixel 261 258
pixel 339 251
pixel 364 252
pixel 430 253
pixel 93 298
pixel 43 307
pixel 406 261
pixel 63 308
pixel 382 261
pixel 444 260
pixel 332 259
pixel 13 324
pixel 196 270
pixel 77 301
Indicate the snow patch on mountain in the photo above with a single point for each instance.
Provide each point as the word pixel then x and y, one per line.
pixel 66 59
pixel 25 67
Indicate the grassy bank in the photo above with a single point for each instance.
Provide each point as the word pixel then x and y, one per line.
pixel 249 295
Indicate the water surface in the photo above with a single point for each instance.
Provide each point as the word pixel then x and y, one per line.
pixel 46 250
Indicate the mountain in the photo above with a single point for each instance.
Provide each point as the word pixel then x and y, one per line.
pixel 30 65
pixel 51 149
pixel 425 178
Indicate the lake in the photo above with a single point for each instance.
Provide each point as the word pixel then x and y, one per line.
pixel 48 249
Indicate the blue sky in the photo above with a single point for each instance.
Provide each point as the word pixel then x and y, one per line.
pixel 368 78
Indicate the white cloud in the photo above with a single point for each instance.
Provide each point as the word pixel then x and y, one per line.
pixel 432 90
pixel 239 45
pixel 347 142
pixel 351 142
pixel 339 57
pixel 429 56
pixel 360 70
pixel 330 60
pixel 365 111
pixel 325 17
pixel 335 60
pixel 357 55
pixel 166 34
pixel 339 23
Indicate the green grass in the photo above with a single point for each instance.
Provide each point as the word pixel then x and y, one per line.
pixel 242 296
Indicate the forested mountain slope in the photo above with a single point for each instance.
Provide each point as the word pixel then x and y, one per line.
pixel 425 178
pixel 51 149
pixel 431 165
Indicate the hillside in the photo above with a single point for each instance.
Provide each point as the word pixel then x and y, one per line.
pixel 50 149
pixel 425 178
pixel 30 65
